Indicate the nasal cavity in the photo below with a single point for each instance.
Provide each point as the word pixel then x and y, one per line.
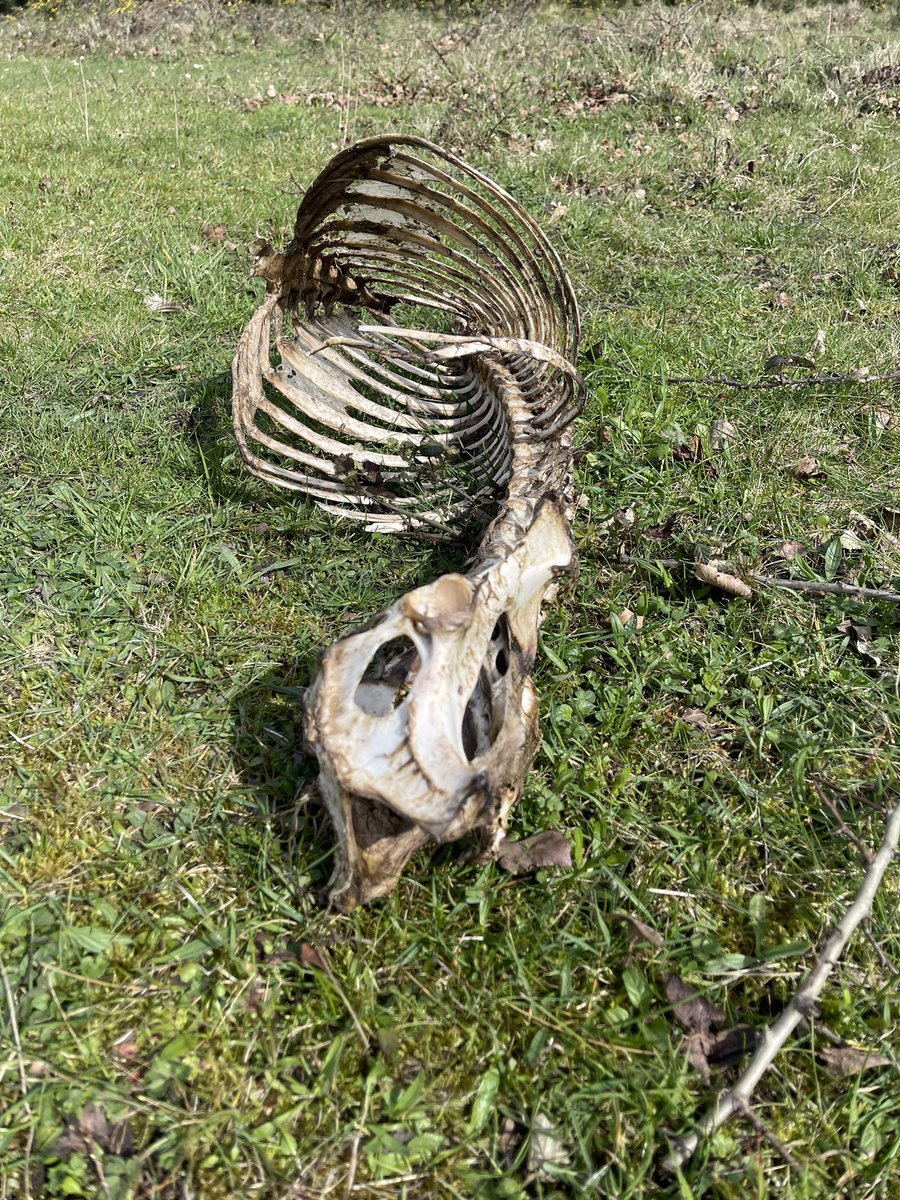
pixel 388 677
pixel 486 709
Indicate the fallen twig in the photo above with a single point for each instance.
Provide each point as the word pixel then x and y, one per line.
pixel 802 1005
pixel 770 1137
pixel 795 585
pixel 843 827
pixel 779 381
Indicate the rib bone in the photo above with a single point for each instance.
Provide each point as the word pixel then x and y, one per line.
pixel 424 722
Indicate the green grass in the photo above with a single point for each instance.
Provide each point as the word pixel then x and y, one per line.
pixel 161 613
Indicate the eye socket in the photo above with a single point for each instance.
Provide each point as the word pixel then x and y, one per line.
pixel 388 677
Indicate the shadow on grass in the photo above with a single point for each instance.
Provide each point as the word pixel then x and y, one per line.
pixel 276 772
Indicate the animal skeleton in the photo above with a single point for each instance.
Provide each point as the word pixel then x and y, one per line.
pixel 412 367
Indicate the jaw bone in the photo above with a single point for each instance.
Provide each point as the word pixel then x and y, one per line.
pixel 424 722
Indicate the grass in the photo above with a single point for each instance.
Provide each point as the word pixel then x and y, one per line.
pixel 722 183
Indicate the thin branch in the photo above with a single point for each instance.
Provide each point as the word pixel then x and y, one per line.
pixel 795 585
pixel 833 589
pixel 843 827
pixel 801 1006
pixel 770 1137
pixel 779 381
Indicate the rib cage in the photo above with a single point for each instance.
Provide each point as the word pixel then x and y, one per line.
pixel 412 367
pixel 382 425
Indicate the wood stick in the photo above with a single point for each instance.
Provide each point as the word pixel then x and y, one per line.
pixel 779 381
pixel 794 585
pixel 801 1005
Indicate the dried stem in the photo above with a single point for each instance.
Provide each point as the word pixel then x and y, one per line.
pixel 795 585
pixel 843 827
pixel 736 1098
pixel 770 1137
pixel 778 381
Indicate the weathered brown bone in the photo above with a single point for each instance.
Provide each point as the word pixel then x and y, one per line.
pixel 424 336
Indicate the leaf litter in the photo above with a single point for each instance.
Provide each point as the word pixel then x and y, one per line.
pixel 548 849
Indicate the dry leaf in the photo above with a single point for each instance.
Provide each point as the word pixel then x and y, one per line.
pixel 509 1138
pixel 689 1007
pixel 859 374
pixel 789 550
pixel 659 533
pixel 547 849
pixel 691 451
pixel 92 1128
pixel 157 303
pixel 215 233
pixel 847 1060
pixel 546 1148
pixel 270 91
pixel 885 419
pixel 558 213
pixel 860 637
pixel 817 349
pixel 625 517
pixel 310 957
pixel 626 616
pixel 126 1050
pixel 637 930
pixel 696 716
pixel 720 434
pixel 729 1046
pixel 808 468
pixel 719 579
pixel 850 540
pixel 783 300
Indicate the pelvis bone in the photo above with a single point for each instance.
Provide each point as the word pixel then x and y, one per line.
pixel 425 721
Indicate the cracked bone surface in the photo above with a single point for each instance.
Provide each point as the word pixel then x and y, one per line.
pixel 412 367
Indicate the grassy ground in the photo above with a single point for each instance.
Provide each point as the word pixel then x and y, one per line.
pixel 722 183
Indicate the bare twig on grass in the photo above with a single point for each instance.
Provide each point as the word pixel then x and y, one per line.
pixel 779 381
pixel 776 1143
pixel 773 1038
pixel 833 589
pixel 795 585
pixel 843 827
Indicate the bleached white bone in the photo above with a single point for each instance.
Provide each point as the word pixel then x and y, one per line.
pixel 424 722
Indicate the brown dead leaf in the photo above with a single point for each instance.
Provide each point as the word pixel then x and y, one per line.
pixel 783 300
pixel 707 573
pixel 659 533
pixel 215 233
pixel 691 451
pixel 789 550
pixel 696 716
pixel 638 931
pixel 92 1128
pixel 689 1007
pixel 547 849
pixel 808 468
pixel 310 957
pixel 844 1061
pixel 729 1046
